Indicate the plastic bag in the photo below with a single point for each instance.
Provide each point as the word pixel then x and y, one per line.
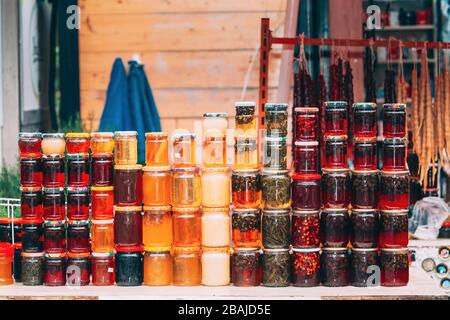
pixel 428 216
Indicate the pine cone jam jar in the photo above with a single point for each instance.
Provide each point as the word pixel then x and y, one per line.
pixel 306 267
pixel 365 189
pixel 394 267
pixel 365 153
pixel 365 224
pixel 246 188
pixel 335 228
pixel 335 267
pixel 246 268
pixel 364 265
pixel 394 229
pixel 394 120
pixel 246 228
pixel 365 120
pixel 394 193
pixel 336 188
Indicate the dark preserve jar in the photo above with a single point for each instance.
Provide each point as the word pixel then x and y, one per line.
pixel 394 120
pixel 306 267
pixel 364 266
pixel 365 189
pixel 335 228
pixel 395 188
pixel 102 170
pixel 103 269
pixel 365 119
pixel 128 185
pixel 78 269
pixel 78 170
pixel 365 225
pixel 246 267
pixel 276 229
pixel 129 264
pixel 365 153
pixel 336 188
pixel 246 188
pixel 128 226
pixel 31 203
pixel 306 124
pixel 336 152
pixel 336 118
pixel 53 171
pixel 55 270
pixel 276 268
pixel 54 204
pixel 30 144
pixel 394 154
pixel 78 236
pixel 78 203
pixel 306 157
pixel 55 237
pixel 305 229
pixel 10 229
pixel 335 267
pixel 31 172
pixel 33 269
pixel 394 229
pixel 17 263
pixel 306 192
pixel 246 228
pixel 394 267
pixel 32 236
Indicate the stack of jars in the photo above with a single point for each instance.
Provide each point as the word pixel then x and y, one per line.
pixel 127 210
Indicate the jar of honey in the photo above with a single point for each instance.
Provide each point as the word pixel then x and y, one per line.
pixel 186 188
pixel 102 236
pixel 102 143
pixel 157 149
pixel 157 226
pixel 53 144
pixel 30 144
pixel 103 269
pixel 215 150
pixel 157 184
pixel 158 265
pixel 102 202
pixel 187 227
pixel 6 262
pixel 183 150
pixel 187 267
pixel 77 143
pixel 215 123
pixel 215 184
pixel 128 185
pixel 216 227
pixel 126 148
pixel 215 267
pixel 128 226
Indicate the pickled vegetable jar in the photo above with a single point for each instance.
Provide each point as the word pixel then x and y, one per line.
pixel 215 184
pixel 102 203
pixel 128 226
pixel 215 267
pixel 365 153
pixel 78 269
pixel 363 264
pixel 305 229
pixel 31 203
pixel 215 123
pixel 32 236
pixel 275 153
pixel 276 189
pixel 55 236
pixel 276 268
pixel 54 204
pixel 246 189
pixel 102 170
pixel 306 157
pixel 335 267
pixel 125 148
pixel 306 267
pixel 365 119
pixel 157 186
pixel 129 266
pixel 53 170
pixel 306 192
pixel 31 174
pixel 334 228
pixel 394 229
pixel 276 119
pixel 276 229
pixel 158 266
pixel 306 124
pixel 183 150
pixel 365 189
pixel 6 264
pixel 394 120
pixel 102 236
pixel 156 149
pixel 102 143
pixel 364 231
pixel 336 188
pixel 394 193
pixel 32 269
pixel 103 266
pixel 187 227
pixel 246 228
pixel 186 188
pixel 78 236
pixel 245 119
pixel 55 270
pixel 216 227
pixel 77 143
pixel 336 118
pixel 246 268
pixel 245 152
pixel 187 267
pixel 394 154
pixel 128 185
pixel 336 152
pixel 53 144
pixel 30 144
pixel 394 267
pixel 78 170
pixel 78 203
pixel 157 226
pixel 215 150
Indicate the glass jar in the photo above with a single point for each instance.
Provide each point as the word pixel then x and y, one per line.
pixel 246 189
pixel 215 150
pixel 32 236
pixel 125 148
pixel 102 170
pixel 10 229
pixel 78 203
pixel 215 267
pixel 128 226
pixel 276 229
pixel 276 189
pixel 334 228
pixel 245 152
pixel 55 236
pixel 102 236
pixel 158 266
pixel 102 202
pixel 365 119
pixel 275 153
pixel 394 120
pixel 129 266
pixel 6 264
pixel 187 227
pixel 336 152
pixel 102 143
pixel 276 119
pixel 365 189
pixel 31 203
pixel 31 174
pixel 157 185
pixel 54 204
pixel 335 267
pixel 246 268
pixel 55 270
pixel 53 144
pixel 336 188
pixel 245 119
pixel 103 266
pixel 363 264
pixel 394 193
pixel 305 229
pixel 246 228
pixel 183 150
pixel 186 188
pixel 187 267
pixel 215 184
pixel 157 149
pixel 53 171
pixel 336 118
pixel 78 170
pixel 276 267
pixel 365 153
pixel 30 144
pixel 128 185
pixel 306 192
pixel 78 236
pixel 306 157
pixel 394 154
pixel 364 231
pixel 215 123
pixel 216 227
pixel 306 267
pixel 394 229
pixel 394 267
pixel 78 269
pixel 306 124
pixel 17 262
pixel 157 226
pixel 33 269
pixel 77 143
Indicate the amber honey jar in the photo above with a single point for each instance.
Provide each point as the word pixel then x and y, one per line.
pixel 157 184
pixel 183 150
pixel 187 227
pixel 157 226
pixel 102 143
pixel 158 266
pixel 156 149
pixel 126 148
pixel 187 268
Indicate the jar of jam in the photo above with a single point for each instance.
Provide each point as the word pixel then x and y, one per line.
pixel 306 124
pixel 157 185
pixel 365 119
pixel 30 144
pixel 364 263
pixel 31 203
pixel 336 188
pixel 55 237
pixel 276 189
pixel 394 267
pixel 10 229
pixel 158 266
pixel 305 229
pixel 335 228
pixel 53 144
pixel 187 267
pixel 125 148
pixel 365 153
pixel 215 123
pixel 32 236
pixel 276 268
pixel 364 231
pixel 54 204
pixel 276 229
pixel 78 236
pixel 336 118
pixel 215 267
pixel 246 188
pixel 394 120
pixel 55 270
pixel 187 227
pixel 306 192
pixel 102 202
pixel 103 267
pixel 102 170
pixel 215 184
pixel 394 229
pixel 156 149
pixel 186 188
pixel 276 119
pixel 53 172
pixel 394 193
pixel 102 143
pixel 17 262
pixel 78 170
pixel 78 143
pixel 128 185
pixel 336 152
pixel 102 236
pixel 365 189
pixel 78 203
pixel 306 157
pixel 245 119
pixel 216 227
pixel 6 264
pixel 275 153
pixel 32 268
pixel 128 226
pixel 306 267
pixel 246 228
pixel 157 227
pixel 245 152
pixel 394 154
pixel 335 267
pixel 78 269
pixel 183 150
pixel 215 150
pixel 31 172
pixel 246 268
pixel 129 266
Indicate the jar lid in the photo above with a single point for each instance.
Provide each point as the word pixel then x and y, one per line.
pixel 276 212
pixel 215 136
pixel 250 250
pixel 216 249
pixel 191 209
pixel 6 249
pixel 157 208
pixel 53 157
pixel 125 134
pixel 53 190
pixel 77 156
pixel 248 139
pixel 444 253
pixel 308 250
pixel 105 156
pixel 245 104
pixel 102 135
pixel 395 250
pixel 306 177
pixel 275 139
pixel 162 135
pixel 396 212
pixel 238 171
pixel 305 212
pixel 103 222
pixel 32 254
pixel 186 249
pixel 307 109
pixel 273 172
pixel 276 107
pixel 365 105
pixel 343 137
pixel 30 189
pixel 397 106
pixel 39 221
pixel 306 143
pixel 84 135
pixel 53 135
pixel 18 245
pixel 129 248
pixel 156 169
pixel 186 136
pixel 333 170
pixel 55 255
pixel 30 159
pixel 157 249
pixel 275 250
pixel 108 188
pixel 364 249
pixel 335 104
pixel 127 209
pixel 57 223
pixel 365 172
pixel 102 254
pixel 215 210
pixel 78 222
pixel 215 115
pixel 335 210
pixel 186 169
pixel 73 255
pixel 395 173
pixel 78 189
pixel 30 135
pixel 364 210
pixel 335 249
pixel 250 210
pixel 10 220
pixel 395 140
pixel 445 283
pixel 128 167
pixel 215 169
pixel 365 139
pixel 428 264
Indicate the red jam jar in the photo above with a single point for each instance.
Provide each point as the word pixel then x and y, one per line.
pixel 335 228
pixel 394 120
pixel 30 144
pixel 365 189
pixel 246 268
pixel 306 124
pixel 394 193
pixel 365 224
pixel 31 203
pixel 77 143
pixel 365 119
pixel 78 236
pixel 394 229
pixel 78 170
pixel 103 269
pixel 128 226
pixel 306 192
pixel 31 172
pixel 54 204
pixel 306 267
pixel 53 144
pixel 128 185
pixel 336 188
pixel 364 263
pixel 305 229
pixel 78 203
pixel 394 154
pixel 102 203
pixel 394 267
pixel 55 269
pixel 55 236
pixel 336 152
pixel 365 153
pixel 78 269
pixel 102 170
pixel 306 157
pixel 53 172
pixel 335 267
pixel 336 118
